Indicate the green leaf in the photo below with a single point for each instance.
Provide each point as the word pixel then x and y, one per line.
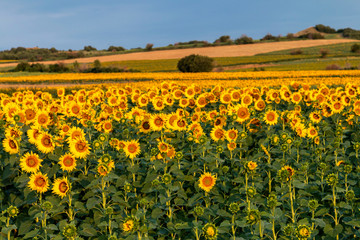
pixel 354 223
pixel 320 222
pixel 321 212
pixel 25 227
pixel 31 234
pixel 87 230
pixel 92 202
pixel 156 213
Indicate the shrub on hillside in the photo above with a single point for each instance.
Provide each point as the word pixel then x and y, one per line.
pixel 355 48
pixel 324 53
pixel 270 37
pixel 149 46
pixel 89 48
pixel 296 51
pixel 195 63
pixel 115 49
pixel 324 29
pixel 244 40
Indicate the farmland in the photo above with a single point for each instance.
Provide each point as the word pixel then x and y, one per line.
pixel 263 155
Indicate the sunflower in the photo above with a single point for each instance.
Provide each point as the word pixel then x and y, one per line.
pixel 163 147
pixel 45 143
pixel 129 224
pixel 201 101
pixel 231 146
pixel 337 107
pixel 180 124
pixel 242 113
pixel 259 105
pixel 251 166
pixel 75 132
pixel 312 132
pixel 103 169
pixel 217 133
pixel 296 98
pixel 79 147
pixel 207 181
pixel 10 145
pixel 67 162
pixel 30 162
pixel 42 119
pixel 30 115
pixel 39 182
pixel 271 117
pixel 107 126
pixel 61 187
pixel 315 117
pixel 157 122
pixel 225 98
pixel 231 134
pixel 132 149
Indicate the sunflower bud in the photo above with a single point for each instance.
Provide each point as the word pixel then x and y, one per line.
pixel 69 231
pixel 313 204
pixel 225 169
pixel 166 178
pixel 109 211
pixel 303 232
pixel 210 231
pixel 332 179
pixel 253 217
pixel 199 211
pixel 219 149
pixel 12 211
pixel 347 168
pixel 47 206
pixel 234 207
pixel 251 192
pixel 288 230
pixel 349 195
pixel 272 200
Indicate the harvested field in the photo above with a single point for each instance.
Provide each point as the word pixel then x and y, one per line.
pixel 221 51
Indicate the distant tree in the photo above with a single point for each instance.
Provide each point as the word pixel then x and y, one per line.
pixel 290 36
pixel 324 29
pixel 149 46
pixel 89 48
pixel 355 48
pixel 97 63
pixel 324 52
pixel 76 66
pixel 115 49
pixel 53 50
pixel 269 37
pixel 195 63
pixel 244 40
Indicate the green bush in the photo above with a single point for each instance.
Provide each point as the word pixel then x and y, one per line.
pixel 244 40
pixel 324 29
pixel 355 48
pixel 195 63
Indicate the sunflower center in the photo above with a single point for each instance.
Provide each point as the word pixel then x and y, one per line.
pixel 132 148
pixel 146 125
pixel 158 122
pixel 12 144
pixel 30 114
pixel 270 117
pixel 80 146
pixel 63 187
pixel 40 182
pixel 207 181
pixel 31 161
pixel 68 161
pixel 75 109
pixel 46 141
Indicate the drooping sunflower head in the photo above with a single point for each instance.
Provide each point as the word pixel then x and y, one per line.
pixel 303 232
pixel 61 187
pixel 30 162
pixel 11 145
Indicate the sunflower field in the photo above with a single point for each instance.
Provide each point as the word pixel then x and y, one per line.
pixel 181 161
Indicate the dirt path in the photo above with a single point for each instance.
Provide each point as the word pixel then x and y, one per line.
pixel 221 51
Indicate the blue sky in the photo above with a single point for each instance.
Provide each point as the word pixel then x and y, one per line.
pixel 73 24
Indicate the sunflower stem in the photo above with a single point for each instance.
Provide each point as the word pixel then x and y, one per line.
pixel 291 203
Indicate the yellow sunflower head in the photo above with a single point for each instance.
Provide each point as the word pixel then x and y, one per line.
pixel 207 181
pixel 30 162
pixel 39 182
pixel 61 187
pixel 67 162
